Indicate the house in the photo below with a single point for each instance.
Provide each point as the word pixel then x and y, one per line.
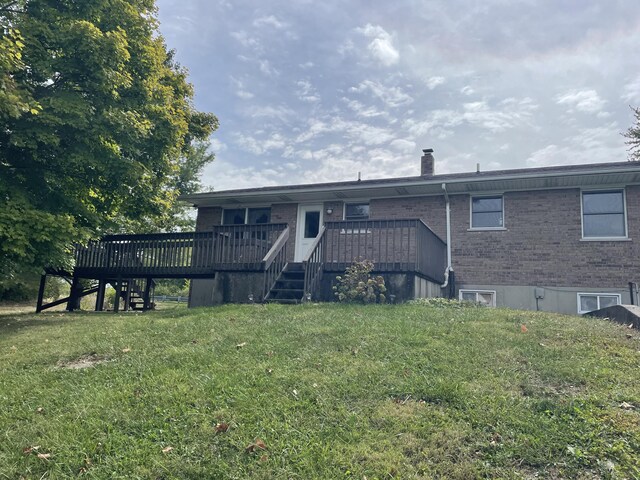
pixel 564 239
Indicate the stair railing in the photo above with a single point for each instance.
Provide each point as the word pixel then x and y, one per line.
pixel 313 265
pixel 274 262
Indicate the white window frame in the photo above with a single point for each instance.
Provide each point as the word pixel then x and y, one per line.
pixel 597 295
pixel 494 195
pixel 624 209
pixel 476 291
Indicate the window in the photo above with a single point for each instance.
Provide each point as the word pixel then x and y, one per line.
pixel 487 212
pixel 311 224
pixel 356 211
pixel 603 214
pixel 240 216
pixel 588 302
pixel 483 297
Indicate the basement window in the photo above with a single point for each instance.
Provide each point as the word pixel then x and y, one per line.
pixel 487 213
pixel 588 302
pixel 483 297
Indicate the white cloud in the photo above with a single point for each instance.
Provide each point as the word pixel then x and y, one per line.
pixel 467 90
pixel 267 68
pixel 587 101
pixel 433 82
pixel 381 44
pixel 270 21
pixel 403 145
pixel 391 96
pixel 362 110
pixel 246 40
pixel 631 91
pixel 280 112
pixel 307 92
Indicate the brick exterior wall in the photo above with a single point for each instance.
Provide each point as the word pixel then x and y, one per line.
pixel 208 217
pixel 540 246
pixel 287 213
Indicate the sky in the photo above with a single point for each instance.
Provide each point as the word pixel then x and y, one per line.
pixel 309 91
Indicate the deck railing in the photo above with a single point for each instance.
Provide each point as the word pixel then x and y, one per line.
pixel 393 245
pixel 313 264
pixel 274 262
pixel 225 248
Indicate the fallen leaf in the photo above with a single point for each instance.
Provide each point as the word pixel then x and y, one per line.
pixel 257 445
pixel 627 406
pixel 222 427
pixel 194 341
pixel 264 458
pixel 167 449
pixel 269 371
pixel 629 335
pixel 315 385
pixel 39 410
pixel 126 350
pixel 240 345
pixel 28 450
pixel 523 328
pixel 630 325
pixel 542 344
pixel 44 456
pixel 295 392
pixel 14 348
pixel 270 353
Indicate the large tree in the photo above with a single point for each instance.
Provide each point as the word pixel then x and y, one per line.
pixel 97 121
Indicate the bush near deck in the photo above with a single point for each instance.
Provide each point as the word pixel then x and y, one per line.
pixel 318 391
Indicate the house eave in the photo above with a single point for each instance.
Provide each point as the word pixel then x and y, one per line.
pixel 591 176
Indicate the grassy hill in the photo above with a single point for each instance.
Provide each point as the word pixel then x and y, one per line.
pixel 318 391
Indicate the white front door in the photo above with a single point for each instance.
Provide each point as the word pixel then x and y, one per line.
pixel 309 221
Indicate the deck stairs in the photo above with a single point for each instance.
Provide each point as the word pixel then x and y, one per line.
pixel 289 288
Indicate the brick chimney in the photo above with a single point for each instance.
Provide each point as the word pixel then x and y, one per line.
pixel 426 162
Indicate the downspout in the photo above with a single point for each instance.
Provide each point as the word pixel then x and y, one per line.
pixel 448 208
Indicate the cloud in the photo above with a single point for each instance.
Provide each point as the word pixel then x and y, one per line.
pixel 391 96
pixel 306 92
pixel 269 21
pixel 467 90
pixel 381 44
pixel 587 101
pixel 631 91
pixel 433 82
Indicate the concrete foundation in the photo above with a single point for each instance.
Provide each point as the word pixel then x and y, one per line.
pixel 554 299
pixel 227 287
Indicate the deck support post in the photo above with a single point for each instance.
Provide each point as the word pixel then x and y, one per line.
pixel 102 284
pixel 116 299
pixel 74 298
pixel 43 282
pixel 127 295
pixel 147 294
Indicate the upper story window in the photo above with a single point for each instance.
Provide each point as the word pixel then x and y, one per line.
pixel 356 211
pixel 241 216
pixel 487 212
pixel 603 214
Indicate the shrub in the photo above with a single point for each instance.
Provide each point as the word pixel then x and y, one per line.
pixel 357 284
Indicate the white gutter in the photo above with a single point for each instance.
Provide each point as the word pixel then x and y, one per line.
pixel 449 268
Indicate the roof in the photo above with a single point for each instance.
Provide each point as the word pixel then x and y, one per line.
pixel 569 176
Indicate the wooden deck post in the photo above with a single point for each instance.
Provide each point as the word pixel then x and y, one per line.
pixel 102 284
pixel 127 295
pixel 43 282
pixel 147 294
pixel 116 299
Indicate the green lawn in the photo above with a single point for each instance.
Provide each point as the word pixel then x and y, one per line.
pixel 329 391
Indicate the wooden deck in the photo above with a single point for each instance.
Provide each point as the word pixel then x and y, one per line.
pixel 178 255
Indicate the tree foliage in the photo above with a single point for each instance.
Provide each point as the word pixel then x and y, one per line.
pixel 99 130
pixel 633 137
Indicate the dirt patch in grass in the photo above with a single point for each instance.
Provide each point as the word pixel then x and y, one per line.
pixel 87 360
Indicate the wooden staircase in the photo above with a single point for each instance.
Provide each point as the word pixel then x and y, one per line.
pixel 289 287
pixel 134 290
